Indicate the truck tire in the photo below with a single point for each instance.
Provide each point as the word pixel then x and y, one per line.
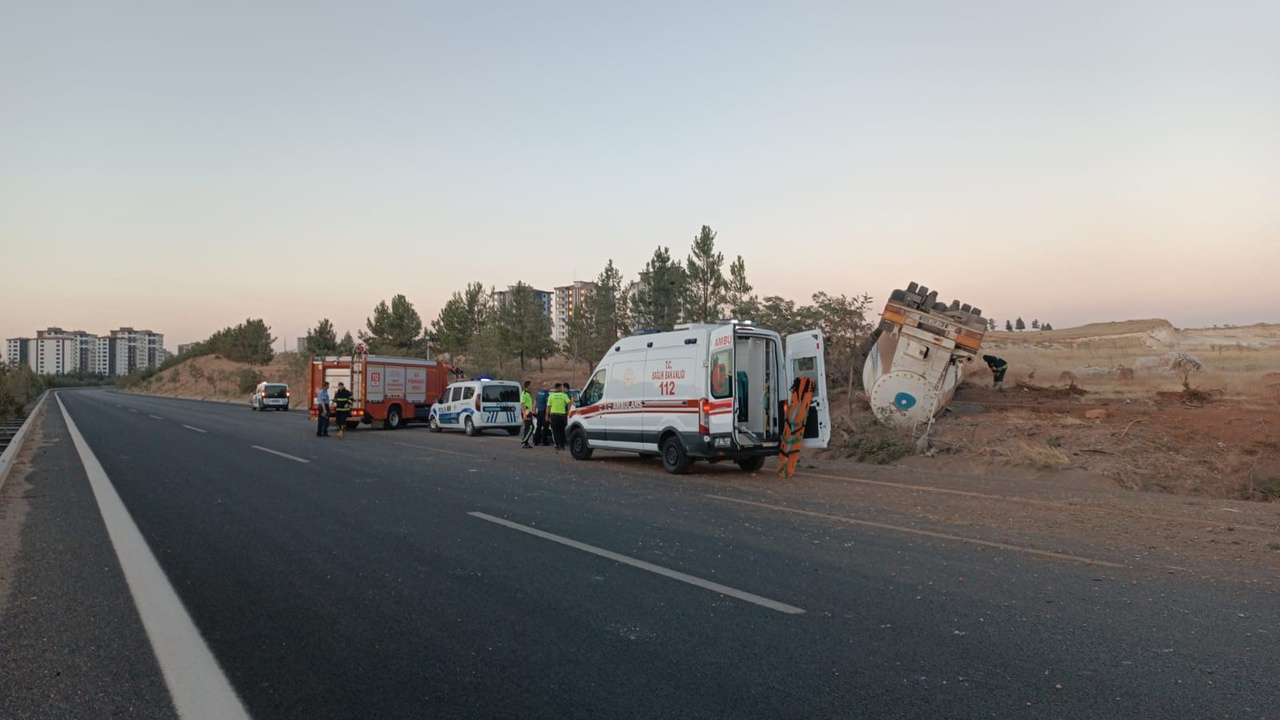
pixel 469 427
pixel 751 464
pixel 393 418
pixel 353 424
pixel 579 448
pixel 674 459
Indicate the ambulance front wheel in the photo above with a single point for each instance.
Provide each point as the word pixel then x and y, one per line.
pixel 674 459
pixel 578 446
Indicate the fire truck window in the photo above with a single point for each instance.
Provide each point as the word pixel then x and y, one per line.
pixel 721 387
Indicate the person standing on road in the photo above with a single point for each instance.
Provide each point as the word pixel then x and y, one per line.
pixel 558 403
pixel 322 410
pixel 342 408
pixel 540 414
pixel 998 368
pixel 526 413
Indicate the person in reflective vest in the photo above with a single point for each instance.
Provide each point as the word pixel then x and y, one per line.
pixel 526 414
pixel 558 403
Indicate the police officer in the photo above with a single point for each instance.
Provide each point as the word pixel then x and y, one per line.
pixel 526 413
pixel 322 410
pixel 540 413
pixel 558 403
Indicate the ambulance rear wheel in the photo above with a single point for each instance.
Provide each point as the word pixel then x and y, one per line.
pixel 579 448
pixel 470 427
pixel 674 459
pixel 751 464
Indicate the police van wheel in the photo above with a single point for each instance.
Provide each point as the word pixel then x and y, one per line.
pixel 470 427
pixel 751 464
pixel 674 459
pixel 433 424
pixel 579 448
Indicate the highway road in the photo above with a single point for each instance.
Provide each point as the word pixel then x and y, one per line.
pixel 251 569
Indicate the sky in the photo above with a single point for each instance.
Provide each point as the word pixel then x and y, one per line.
pixel 184 166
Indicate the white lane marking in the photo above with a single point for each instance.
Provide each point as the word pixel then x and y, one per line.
pixel 926 533
pixel 197 684
pixel 189 427
pixel 156 417
pixel 277 452
pixel 436 450
pixel 674 575
pixel 132 410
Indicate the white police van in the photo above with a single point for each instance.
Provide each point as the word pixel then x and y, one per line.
pixel 476 405
pixel 700 391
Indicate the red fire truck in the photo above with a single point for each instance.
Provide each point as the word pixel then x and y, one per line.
pixel 385 389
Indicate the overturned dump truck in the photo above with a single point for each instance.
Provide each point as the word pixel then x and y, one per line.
pixel 916 361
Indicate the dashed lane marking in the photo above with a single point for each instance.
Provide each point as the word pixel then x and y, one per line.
pixel 190 427
pixel 658 569
pixel 283 455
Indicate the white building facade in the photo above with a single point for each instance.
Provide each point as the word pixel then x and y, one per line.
pixel 568 303
pixel 54 351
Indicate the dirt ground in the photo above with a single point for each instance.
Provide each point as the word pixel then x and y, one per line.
pixel 1103 402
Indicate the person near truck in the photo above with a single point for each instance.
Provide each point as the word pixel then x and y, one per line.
pixel 526 413
pixel 322 410
pixel 341 408
pixel 540 414
pixel 998 368
pixel 558 403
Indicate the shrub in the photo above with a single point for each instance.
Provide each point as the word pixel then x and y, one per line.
pixel 248 379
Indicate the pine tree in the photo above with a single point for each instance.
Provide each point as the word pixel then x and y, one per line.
pixel 742 304
pixel 704 289
pixel 659 293
pixel 394 330
pixel 323 339
pixel 1019 325
pixel 1008 325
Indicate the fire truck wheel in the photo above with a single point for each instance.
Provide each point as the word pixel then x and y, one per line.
pixel 469 427
pixel 393 418
pixel 578 446
pixel 751 464
pixel 674 459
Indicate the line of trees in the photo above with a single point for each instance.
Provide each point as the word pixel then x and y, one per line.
pixel 493 333
pixel 1011 325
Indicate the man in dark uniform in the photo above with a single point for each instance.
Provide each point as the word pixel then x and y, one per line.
pixel 540 436
pixel 998 368
pixel 342 408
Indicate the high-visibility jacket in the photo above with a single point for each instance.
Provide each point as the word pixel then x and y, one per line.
pixel 558 403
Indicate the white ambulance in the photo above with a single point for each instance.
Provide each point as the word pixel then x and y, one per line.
pixel 700 391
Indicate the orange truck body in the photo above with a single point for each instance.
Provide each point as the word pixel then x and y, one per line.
pixel 384 389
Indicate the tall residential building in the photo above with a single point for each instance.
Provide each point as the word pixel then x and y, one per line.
pixel 542 297
pixel 568 302
pixel 54 351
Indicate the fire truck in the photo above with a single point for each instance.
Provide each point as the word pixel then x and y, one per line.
pixel 389 390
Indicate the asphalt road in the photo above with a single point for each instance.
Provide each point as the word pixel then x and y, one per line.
pixel 407 574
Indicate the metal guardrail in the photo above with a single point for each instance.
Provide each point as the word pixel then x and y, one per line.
pixel 12 433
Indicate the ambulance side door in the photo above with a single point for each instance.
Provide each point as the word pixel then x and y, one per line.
pixel 804 358
pixel 720 382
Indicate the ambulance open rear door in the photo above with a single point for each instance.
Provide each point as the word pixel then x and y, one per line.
pixel 804 358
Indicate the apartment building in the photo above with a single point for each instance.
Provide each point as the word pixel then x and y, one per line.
pixel 54 351
pixel 568 302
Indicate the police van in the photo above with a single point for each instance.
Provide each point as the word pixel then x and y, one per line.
pixel 716 392
pixel 476 405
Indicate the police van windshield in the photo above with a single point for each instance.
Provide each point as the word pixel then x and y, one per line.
pixel 500 393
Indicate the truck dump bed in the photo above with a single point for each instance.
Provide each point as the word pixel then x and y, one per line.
pixel 916 362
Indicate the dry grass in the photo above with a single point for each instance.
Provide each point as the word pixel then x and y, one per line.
pixel 1026 452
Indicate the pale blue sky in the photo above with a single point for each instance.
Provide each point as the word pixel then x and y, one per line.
pixel 183 166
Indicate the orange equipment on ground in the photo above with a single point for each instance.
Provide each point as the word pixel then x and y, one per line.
pixel 793 429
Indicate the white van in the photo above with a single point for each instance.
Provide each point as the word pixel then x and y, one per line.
pixel 476 405
pixel 270 395
pixel 700 391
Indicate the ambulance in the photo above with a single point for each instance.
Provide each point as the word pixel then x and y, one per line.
pixel 701 391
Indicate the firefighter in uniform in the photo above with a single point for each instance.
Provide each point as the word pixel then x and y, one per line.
pixel 998 368
pixel 342 408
